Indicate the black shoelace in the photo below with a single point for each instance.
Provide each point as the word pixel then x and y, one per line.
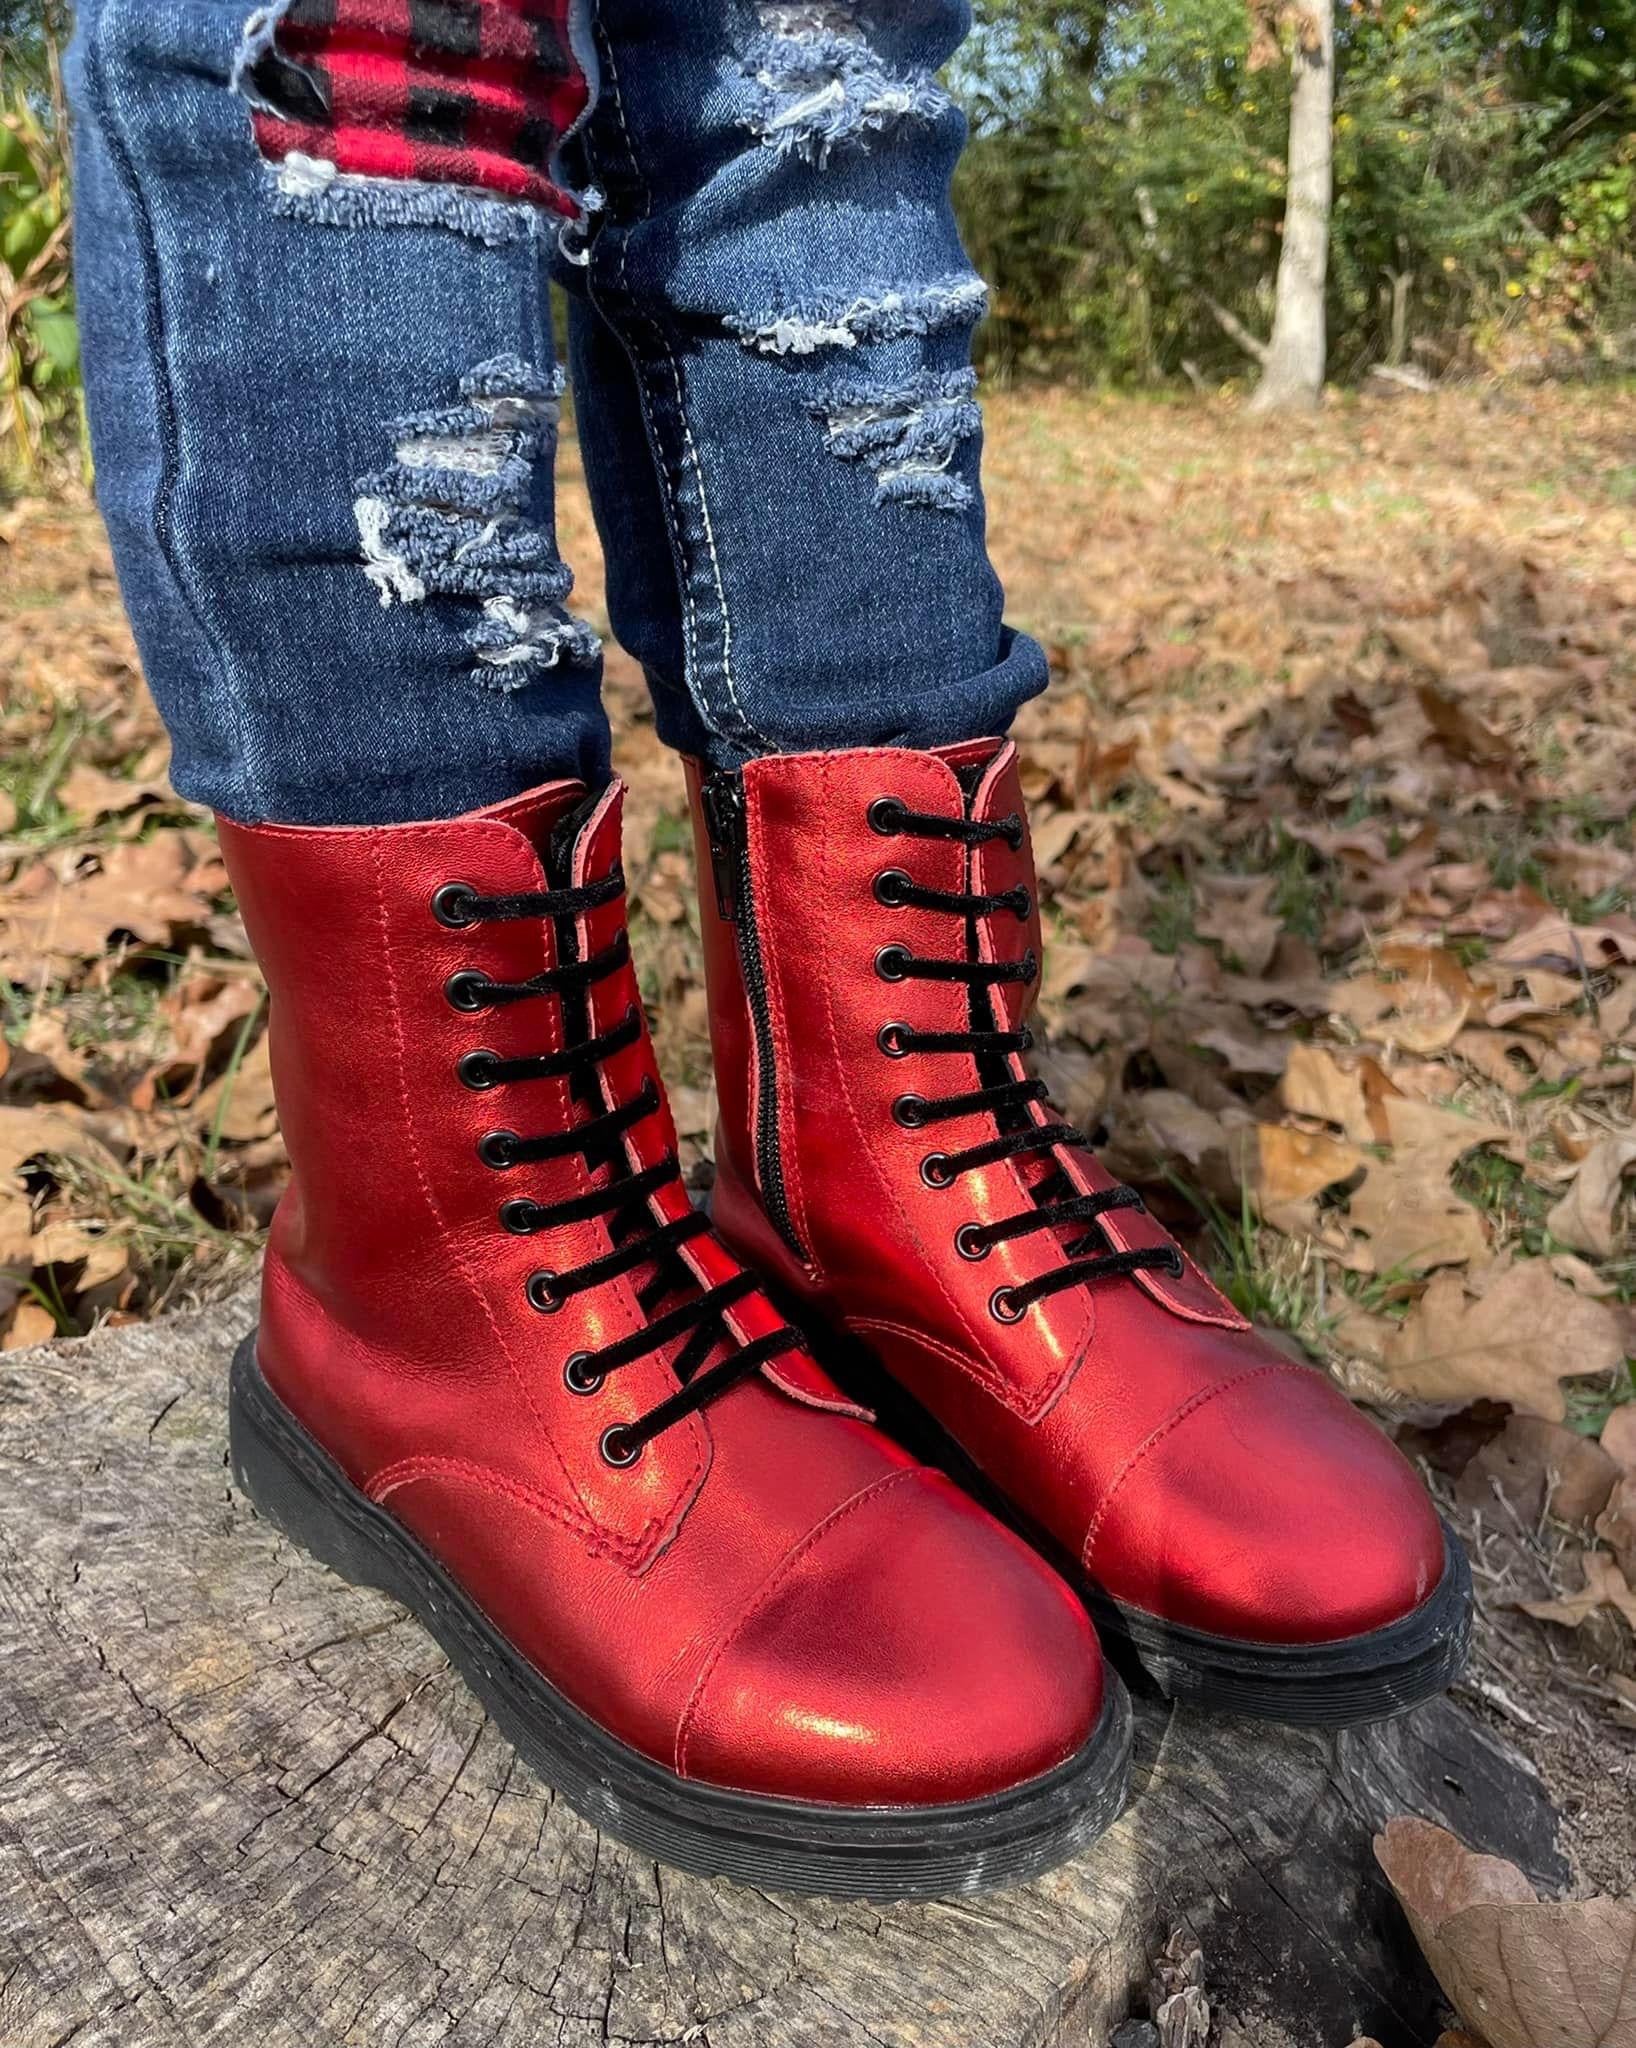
pixel 637 1239
pixel 1057 1202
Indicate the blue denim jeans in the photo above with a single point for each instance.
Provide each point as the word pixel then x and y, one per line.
pixel 324 395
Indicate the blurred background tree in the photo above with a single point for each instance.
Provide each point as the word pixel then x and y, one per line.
pixel 1126 188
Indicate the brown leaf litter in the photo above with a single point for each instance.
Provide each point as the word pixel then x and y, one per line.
pixel 1521 1972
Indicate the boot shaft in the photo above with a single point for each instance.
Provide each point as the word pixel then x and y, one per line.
pixel 873 945
pixel 821 919
pixel 377 1046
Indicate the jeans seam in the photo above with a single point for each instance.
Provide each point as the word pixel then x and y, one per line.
pixel 744 727
pixel 105 101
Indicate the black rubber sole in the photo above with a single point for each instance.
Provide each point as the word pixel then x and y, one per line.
pixel 1371 1677
pixel 877 1853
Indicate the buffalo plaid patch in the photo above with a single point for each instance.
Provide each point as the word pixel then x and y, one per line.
pixel 447 92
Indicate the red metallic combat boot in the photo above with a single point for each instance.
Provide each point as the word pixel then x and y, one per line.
pixel 872 941
pixel 505 1373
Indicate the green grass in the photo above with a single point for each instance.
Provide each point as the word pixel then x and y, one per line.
pixel 1275 1294
pixel 1516 1205
pixel 1167 923
pixel 29 776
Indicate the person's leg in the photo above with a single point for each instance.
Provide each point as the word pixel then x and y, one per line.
pixel 503 1369
pixel 778 279
pixel 773 381
pixel 323 398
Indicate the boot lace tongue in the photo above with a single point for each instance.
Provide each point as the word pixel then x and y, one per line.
pixel 1057 1204
pixel 668 1292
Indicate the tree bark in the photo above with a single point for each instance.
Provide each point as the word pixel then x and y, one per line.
pixel 1292 378
pixel 245 1805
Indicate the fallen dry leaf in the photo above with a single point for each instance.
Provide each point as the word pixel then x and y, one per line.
pixel 1514 1342
pixel 1584 1216
pixel 204 1019
pixel 65 1242
pixel 90 792
pixel 39 1133
pixel 1431 1001
pixel 239 1106
pixel 1583 1278
pixel 1619 1436
pixel 1347 1092
pixel 30 1324
pixel 1522 1972
pixel 1292 1169
pixel 46 1036
pixel 1238 919
pixel 1566 948
pixel 51 924
pixel 1406 1210
pixel 1605 1586
pixel 1616 1525
pixel 1244 1048
pixel 1163 1126
pixel 1535 1467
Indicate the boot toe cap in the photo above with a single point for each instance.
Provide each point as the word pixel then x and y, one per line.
pixel 908 1652
pixel 1273 1513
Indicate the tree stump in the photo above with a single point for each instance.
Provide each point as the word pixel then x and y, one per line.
pixel 243 1803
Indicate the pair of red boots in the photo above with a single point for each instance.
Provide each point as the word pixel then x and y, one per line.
pixel 508 1373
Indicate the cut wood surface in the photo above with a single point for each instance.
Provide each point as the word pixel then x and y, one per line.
pixel 243 1803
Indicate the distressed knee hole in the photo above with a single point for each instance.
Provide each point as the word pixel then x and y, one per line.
pixel 883 313
pixel 454 517
pixel 816 83
pixel 420 112
pixel 908 434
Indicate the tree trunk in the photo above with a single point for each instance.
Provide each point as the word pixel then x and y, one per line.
pixel 1293 378
pixel 245 1805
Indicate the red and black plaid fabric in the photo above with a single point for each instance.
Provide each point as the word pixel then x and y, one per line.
pixel 450 92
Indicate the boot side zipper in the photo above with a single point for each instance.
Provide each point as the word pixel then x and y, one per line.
pixel 727 825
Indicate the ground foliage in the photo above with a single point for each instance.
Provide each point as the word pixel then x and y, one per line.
pixel 1333 797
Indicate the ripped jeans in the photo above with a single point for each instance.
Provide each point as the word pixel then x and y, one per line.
pixel 315 246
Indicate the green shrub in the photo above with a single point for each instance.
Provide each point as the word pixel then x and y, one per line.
pixel 39 342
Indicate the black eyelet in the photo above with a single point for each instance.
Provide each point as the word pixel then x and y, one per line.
pixel 467 989
pixel 1013 830
pixel 934 1170
pixel 542 1292
pixel 498 1149
pixel 890 962
pixel 577 1379
pixel 1178 1266
pixel 970 1242
pixel 452 905
pixel 476 1069
pixel 518 1217
pixel 886 816
pixel 1003 1308
pixel 1030 964
pixel 615 1451
pixel 890 1039
pixel 1022 903
pixel 889 887
pixel 910 1112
